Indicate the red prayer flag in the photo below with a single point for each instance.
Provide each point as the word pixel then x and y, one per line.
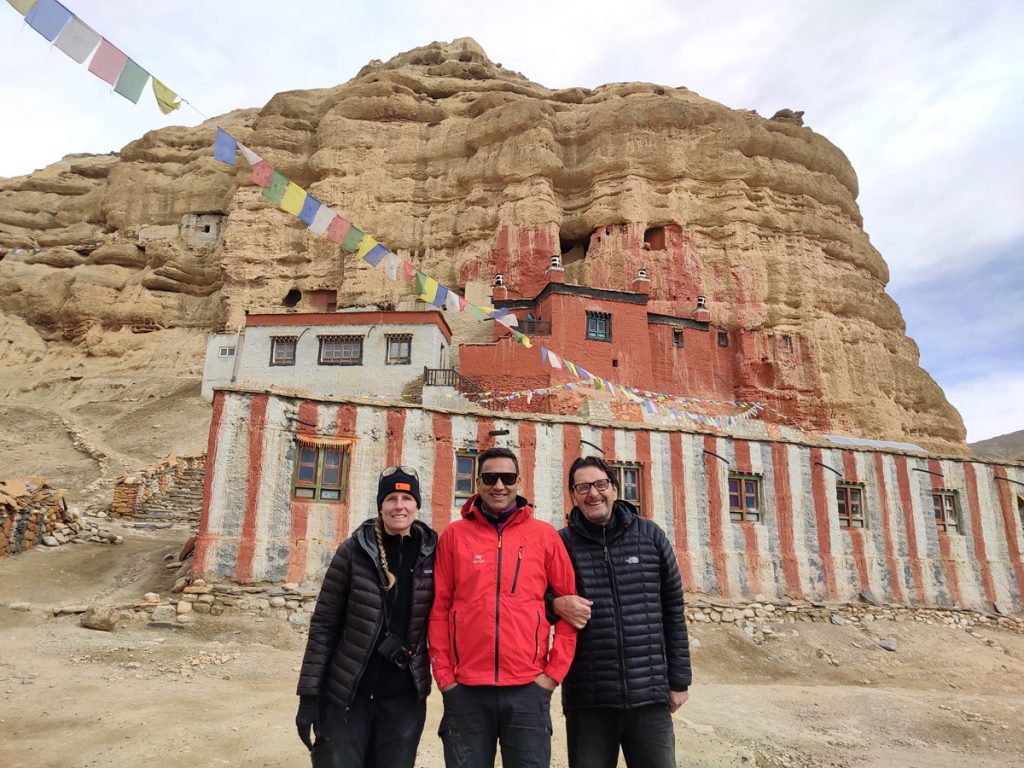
pixel 262 173
pixel 408 271
pixel 338 229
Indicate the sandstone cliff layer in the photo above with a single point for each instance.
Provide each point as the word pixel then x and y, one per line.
pixel 469 169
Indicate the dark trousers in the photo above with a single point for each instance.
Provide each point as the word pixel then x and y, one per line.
pixel 377 733
pixel 479 717
pixel 596 733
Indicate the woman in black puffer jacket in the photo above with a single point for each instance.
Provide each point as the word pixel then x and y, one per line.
pixel 365 674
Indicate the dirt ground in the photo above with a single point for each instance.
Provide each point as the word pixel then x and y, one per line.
pixel 221 690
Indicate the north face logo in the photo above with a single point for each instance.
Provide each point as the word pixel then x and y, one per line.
pixel 632 560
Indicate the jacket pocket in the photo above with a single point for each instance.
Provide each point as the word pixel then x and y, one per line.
pixel 455 641
pixel 519 563
pixel 536 640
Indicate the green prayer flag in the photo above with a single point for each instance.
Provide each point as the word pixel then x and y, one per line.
pixel 476 312
pixel 353 237
pixel 131 81
pixel 275 192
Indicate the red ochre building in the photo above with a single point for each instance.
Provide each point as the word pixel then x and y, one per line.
pixel 613 335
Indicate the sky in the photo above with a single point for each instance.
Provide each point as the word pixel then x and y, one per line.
pixel 925 98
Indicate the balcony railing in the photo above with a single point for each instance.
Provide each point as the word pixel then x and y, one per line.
pixel 535 327
pixel 448 377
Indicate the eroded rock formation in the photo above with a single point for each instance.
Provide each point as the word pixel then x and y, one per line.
pixel 469 169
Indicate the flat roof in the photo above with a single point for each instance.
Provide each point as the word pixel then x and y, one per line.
pixel 371 317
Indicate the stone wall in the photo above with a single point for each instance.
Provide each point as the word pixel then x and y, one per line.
pixel 32 514
pixel 171 489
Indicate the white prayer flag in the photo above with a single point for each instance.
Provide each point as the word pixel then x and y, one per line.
pixel 322 220
pixel 451 302
pixel 250 157
pixel 77 39
pixel 555 362
pixel 391 264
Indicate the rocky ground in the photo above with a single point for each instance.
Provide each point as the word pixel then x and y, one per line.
pixel 219 690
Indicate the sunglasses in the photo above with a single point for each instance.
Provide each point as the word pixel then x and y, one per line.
pixel 507 478
pixel 598 485
pixel 388 471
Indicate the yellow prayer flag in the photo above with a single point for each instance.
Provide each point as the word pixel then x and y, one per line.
pixel 429 292
pixel 22 6
pixel 166 99
pixel 294 197
pixel 365 246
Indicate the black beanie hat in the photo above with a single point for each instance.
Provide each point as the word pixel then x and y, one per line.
pixel 398 481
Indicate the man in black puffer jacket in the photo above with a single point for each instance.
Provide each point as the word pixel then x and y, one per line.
pixel 631 670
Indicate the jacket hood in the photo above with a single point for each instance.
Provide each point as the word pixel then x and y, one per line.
pixel 367 541
pixel 624 513
pixel 472 509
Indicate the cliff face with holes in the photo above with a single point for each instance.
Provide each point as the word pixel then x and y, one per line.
pixel 469 169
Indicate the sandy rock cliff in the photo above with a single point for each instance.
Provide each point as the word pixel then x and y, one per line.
pixel 469 169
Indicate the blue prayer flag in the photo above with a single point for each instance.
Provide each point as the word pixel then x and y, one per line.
pixel 309 209
pixel 225 147
pixel 48 18
pixel 442 294
pixel 376 255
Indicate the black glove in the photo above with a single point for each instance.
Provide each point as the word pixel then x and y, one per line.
pixel 308 717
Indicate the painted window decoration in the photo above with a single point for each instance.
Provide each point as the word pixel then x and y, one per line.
pixel 850 504
pixel 465 474
pixel 947 511
pixel 630 479
pixel 599 326
pixel 341 350
pixel 282 350
pixel 227 351
pixel 744 498
pixel 678 341
pixel 399 349
pixel 321 471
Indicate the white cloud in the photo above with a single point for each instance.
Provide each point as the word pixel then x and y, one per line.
pixel 990 405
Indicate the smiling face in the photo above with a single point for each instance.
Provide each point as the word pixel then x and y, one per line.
pixel 595 505
pixel 498 497
pixel 398 513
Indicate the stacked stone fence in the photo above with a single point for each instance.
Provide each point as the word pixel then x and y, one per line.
pixel 169 490
pixel 33 514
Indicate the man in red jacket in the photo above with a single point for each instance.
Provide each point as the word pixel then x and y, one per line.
pixel 488 631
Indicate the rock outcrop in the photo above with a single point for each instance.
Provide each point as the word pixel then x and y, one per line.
pixel 469 169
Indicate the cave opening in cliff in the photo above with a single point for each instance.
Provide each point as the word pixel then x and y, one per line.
pixel 654 238
pixel 573 248
pixel 292 298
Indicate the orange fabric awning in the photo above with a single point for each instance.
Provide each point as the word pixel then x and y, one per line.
pixel 322 440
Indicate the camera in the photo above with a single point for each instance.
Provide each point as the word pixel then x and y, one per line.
pixel 395 651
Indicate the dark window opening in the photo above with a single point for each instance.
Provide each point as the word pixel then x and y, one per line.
pixel 787 342
pixel 599 326
pixel 573 249
pixel 947 511
pixel 850 505
pixel 723 339
pixel 654 239
pixel 465 474
pixel 207 228
pixel 615 363
pixel 678 341
pixel 292 298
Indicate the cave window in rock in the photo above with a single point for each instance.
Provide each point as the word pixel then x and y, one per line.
pixel 850 505
pixel 282 350
pixel 946 505
pixel 723 339
pixel 292 298
pixel 341 350
pixel 678 340
pixel 599 326
pixel 787 343
pixel 654 239
pixel 573 249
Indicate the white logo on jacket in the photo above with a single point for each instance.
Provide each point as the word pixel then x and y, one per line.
pixel 632 560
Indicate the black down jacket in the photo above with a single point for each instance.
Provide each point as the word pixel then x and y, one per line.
pixel 349 615
pixel 635 648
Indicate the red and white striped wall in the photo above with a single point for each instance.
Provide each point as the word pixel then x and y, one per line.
pixel 252 530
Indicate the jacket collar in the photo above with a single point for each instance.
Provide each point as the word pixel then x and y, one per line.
pixel 623 513
pixel 367 541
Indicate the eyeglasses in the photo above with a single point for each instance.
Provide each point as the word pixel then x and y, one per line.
pixel 598 485
pixel 388 471
pixel 507 478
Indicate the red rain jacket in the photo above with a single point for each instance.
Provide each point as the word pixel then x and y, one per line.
pixel 488 625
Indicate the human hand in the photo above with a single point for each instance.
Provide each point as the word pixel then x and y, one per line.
pixel 308 718
pixel 448 687
pixel 574 609
pixel 545 681
pixel 676 699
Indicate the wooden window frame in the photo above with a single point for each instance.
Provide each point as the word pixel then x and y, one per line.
pixel 464 455
pixel 397 338
pixel 345 341
pixel 596 318
pixel 282 342
pixel 741 512
pixel 678 338
pixel 845 505
pixel 944 522
pixel 635 494
pixel 318 489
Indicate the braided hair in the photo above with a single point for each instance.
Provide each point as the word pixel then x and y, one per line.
pixel 378 531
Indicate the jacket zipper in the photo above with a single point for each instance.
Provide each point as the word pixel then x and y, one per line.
pixel 618 612
pixel 497 614
pixel 536 640
pixel 519 562
pixel 455 641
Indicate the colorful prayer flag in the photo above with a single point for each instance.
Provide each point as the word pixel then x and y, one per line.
pixel 440 296
pixel 365 246
pixel 322 220
pixel 293 199
pixel 77 39
pixel 48 17
pixel 224 147
pixel 131 81
pixel 108 61
pixel 426 287
pixel 353 238
pixel 338 229
pixel 309 209
pixel 250 157
pixel 452 303
pixel 571 368
pixel 408 271
pixel 275 192
pixel 391 264
pixel 376 254
pixel 477 312
pixel 262 174
pixel 22 7
pixel 555 361
pixel 167 100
